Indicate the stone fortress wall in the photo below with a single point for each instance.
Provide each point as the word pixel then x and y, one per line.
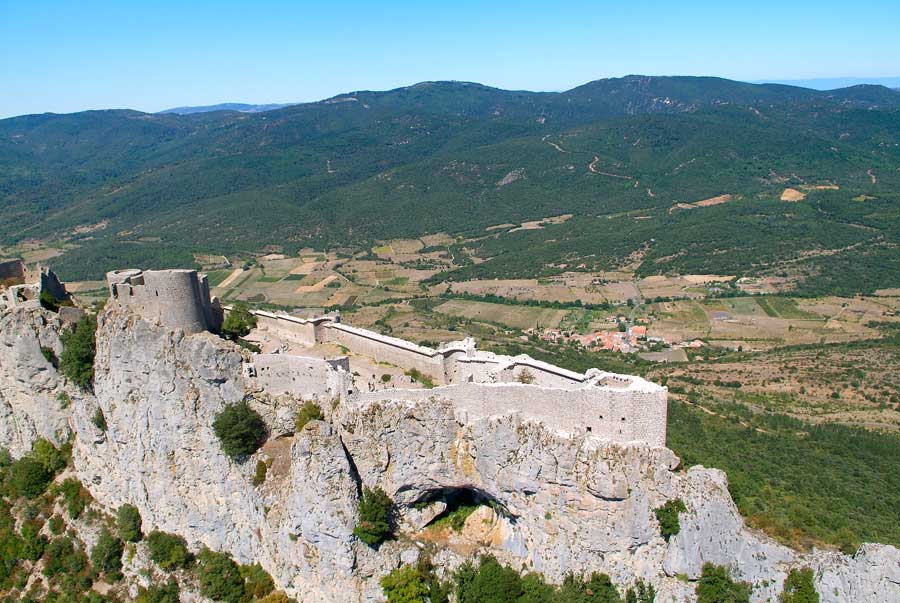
pixel 621 408
pixel 178 299
pixel 479 384
pixel 301 377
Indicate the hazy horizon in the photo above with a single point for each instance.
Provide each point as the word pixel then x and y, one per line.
pixel 63 57
pixel 814 84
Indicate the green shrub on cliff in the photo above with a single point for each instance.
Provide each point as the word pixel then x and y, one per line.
pixel 79 348
pixel 667 516
pixel 240 429
pixel 799 587
pixel 258 584
pixel 128 523
pixel 167 593
pixel 33 542
pixel 29 477
pixel 168 551
pixel 716 586
pixel 405 585
pixel 107 555
pixel 238 322
pixel 310 411
pixel 99 419
pixel 375 515
pixel 220 577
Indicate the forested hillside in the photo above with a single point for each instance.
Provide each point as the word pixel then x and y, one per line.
pixel 679 174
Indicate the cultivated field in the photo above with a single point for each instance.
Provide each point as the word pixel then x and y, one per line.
pixel 519 317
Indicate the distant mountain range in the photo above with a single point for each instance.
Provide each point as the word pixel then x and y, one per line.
pixel 832 83
pixel 239 107
pixel 814 84
pixel 627 157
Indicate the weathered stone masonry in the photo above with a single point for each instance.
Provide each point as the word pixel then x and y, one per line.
pixel 174 298
pixel 621 408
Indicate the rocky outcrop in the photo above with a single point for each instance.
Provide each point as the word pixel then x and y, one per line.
pixel 35 400
pixel 159 392
pixel 553 503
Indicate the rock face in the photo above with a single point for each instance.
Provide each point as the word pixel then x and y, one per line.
pixel 35 401
pixel 555 504
pixel 160 392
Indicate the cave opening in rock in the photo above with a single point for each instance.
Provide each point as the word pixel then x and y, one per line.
pixel 460 503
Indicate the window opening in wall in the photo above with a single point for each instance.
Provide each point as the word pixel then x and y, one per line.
pixel 623 418
pixel 589 428
pixel 601 417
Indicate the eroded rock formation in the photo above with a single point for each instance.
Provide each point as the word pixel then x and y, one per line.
pixel 557 504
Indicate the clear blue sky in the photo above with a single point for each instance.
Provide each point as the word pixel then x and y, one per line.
pixel 71 55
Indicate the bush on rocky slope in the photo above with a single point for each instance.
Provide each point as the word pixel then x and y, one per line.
pixel 167 593
pixel 310 411
pixel 716 586
pixel 220 577
pixel 79 348
pixel 128 523
pixel 667 516
pixel 169 551
pixel 799 587
pixel 107 556
pixel 375 517
pixel 240 429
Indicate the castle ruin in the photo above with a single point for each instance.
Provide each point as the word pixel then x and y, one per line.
pixel 479 384
pixel 177 299
pixel 21 287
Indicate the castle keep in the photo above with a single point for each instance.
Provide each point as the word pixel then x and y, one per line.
pixel 178 299
pixel 479 384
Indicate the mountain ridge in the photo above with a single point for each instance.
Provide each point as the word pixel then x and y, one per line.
pixel 428 157
pixel 239 107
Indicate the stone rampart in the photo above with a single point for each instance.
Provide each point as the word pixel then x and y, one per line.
pixel 289 328
pixel 615 407
pixel 12 272
pixel 633 414
pixel 28 294
pixel 395 351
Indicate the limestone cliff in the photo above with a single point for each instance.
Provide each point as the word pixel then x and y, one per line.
pixel 557 504
pixel 34 399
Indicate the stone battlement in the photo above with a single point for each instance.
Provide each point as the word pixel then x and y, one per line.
pixel 623 408
pixel 174 298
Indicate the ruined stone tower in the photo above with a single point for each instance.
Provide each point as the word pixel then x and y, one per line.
pixel 178 299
